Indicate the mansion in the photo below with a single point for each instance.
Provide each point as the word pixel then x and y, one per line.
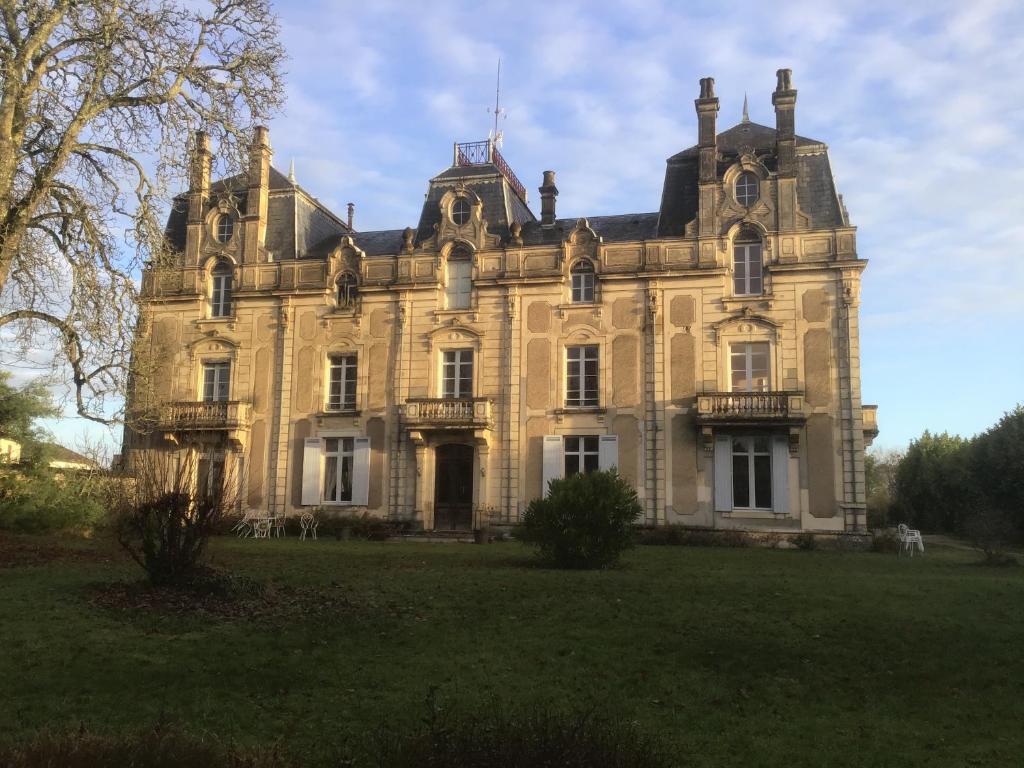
pixel 444 373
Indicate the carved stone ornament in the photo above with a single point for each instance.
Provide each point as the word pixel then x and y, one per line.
pixel 517 233
pixel 407 239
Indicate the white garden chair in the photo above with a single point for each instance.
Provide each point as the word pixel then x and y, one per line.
pixel 309 523
pixel 261 528
pixel 910 539
pixel 279 530
pixel 244 527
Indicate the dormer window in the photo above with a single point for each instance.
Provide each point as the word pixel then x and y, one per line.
pixel 583 282
pixel 747 273
pixel 224 228
pixel 459 278
pixel 748 189
pixel 220 290
pixel 460 211
pixel 348 291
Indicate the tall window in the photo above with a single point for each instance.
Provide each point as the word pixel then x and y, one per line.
pixel 748 189
pixel 460 278
pixel 582 282
pixel 751 473
pixel 457 373
pixel 216 382
pixel 750 367
pixel 341 393
pixel 581 376
pixel 339 455
pixel 225 228
pixel 348 290
pixel 220 290
pixel 746 266
pixel 582 455
pixel 210 474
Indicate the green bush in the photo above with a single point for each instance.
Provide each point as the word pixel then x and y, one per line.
pixel 534 738
pixel 681 536
pixel 364 526
pixel 45 502
pixel 805 541
pixel 885 540
pixel 585 521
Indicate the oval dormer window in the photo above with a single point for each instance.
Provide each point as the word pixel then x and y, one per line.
pixel 460 211
pixel 225 228
pixel 747 189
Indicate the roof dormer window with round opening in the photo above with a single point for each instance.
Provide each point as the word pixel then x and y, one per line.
pixel 224 228
pixel 460 211
pixel 748 189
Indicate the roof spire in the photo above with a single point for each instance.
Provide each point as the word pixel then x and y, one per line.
pixel 291 172
pixel 499 111
pixel 746 115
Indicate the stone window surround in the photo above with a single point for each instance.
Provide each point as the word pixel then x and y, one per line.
pixel 344 346
pixel 443 342
pixel 746 330
pixel 575 338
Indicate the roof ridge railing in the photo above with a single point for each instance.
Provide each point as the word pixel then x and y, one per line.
pixel 483 153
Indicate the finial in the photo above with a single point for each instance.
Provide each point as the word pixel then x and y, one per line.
pixel 746 115
pixel 291 172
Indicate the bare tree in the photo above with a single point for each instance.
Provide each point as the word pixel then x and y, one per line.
pixel 98 99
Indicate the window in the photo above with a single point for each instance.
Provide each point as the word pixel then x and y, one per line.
pixel 216 381
pixel 460 278
pixel 210 474
pixel 348 290
pixel 582 455
pixel 750 367
pixel 339 457
pixel 225 228
pixel 747 189
pixel 747 273
pixel 341 393
pixel 220 290
pixel 581 376
pixel 457 373
pixel 460 211
pixel 583 282
pixel 751 472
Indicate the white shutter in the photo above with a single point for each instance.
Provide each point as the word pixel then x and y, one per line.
pixel 608 452
pixel 723 473
pixel 361 472
pixel 312 452
pixel 780 473
pixel 554 466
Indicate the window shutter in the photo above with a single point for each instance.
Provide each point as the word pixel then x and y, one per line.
pixel 361 471
pixel 780 473
pixel 608 452
pixel 312 451
pixel 554 467
pixel 723 473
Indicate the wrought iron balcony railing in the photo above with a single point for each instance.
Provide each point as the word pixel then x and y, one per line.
pixel 447 413
pixel 194 415
pixel 484 152
pixel 750 406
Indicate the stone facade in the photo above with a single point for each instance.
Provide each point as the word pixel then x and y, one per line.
pixel 444 373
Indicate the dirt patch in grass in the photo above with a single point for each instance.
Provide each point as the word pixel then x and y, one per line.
pixel 23 551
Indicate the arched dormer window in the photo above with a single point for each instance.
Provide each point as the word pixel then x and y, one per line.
pixel 221 278
pixel 748 189
pixel 224 228
pixel 747 264
pixel 583 282
pixel 458 277
pixel 348 290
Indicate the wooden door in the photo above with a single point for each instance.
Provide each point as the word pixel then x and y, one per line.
pixel 453 488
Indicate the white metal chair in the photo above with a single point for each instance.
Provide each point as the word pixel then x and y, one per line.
pixel 309 523
pixel 910 539
pixel 279 529
pixel 244 527
pixel 261 528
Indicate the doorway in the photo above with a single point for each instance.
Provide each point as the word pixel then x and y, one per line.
pixel 453 487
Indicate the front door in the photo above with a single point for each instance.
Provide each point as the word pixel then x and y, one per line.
pixel 453 488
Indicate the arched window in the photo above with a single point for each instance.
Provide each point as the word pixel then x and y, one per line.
pixel 583 280
pixel 747 273
pixel 460 211
pixel 748 189
pixel 459 277
pixel 220 289
pixel 348 290
pixel 224 228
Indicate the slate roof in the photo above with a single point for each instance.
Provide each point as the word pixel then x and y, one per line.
pixel 375 243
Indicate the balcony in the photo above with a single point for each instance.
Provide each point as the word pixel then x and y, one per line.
pixel 230 416
pixel 444 413
pixel 486 153
pixel 750 408
pixel 870 416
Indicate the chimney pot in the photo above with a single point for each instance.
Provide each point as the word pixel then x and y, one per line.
pixel 351 214
pixel 548 195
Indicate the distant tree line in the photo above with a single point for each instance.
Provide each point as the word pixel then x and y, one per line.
pixel 949 484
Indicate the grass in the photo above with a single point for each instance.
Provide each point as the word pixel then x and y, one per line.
pixel 731 657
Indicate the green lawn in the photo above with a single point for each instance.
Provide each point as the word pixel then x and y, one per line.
pixel 734 657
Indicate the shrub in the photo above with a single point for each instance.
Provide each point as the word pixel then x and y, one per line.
pixel 886 540
pixel 678 535
pixel 992 530
pixel 585 521
pixel 163 524
pixel 364 526
pixel 45 502
pixel 805 541
pixel 535 738
pixel 159 748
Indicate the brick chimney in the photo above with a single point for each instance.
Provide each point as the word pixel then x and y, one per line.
pixel 707 168
pixel 258 194
pixel 199 176
pixel 548 196
pixel 784 100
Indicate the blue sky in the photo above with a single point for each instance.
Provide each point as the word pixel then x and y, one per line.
pixel 921 104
